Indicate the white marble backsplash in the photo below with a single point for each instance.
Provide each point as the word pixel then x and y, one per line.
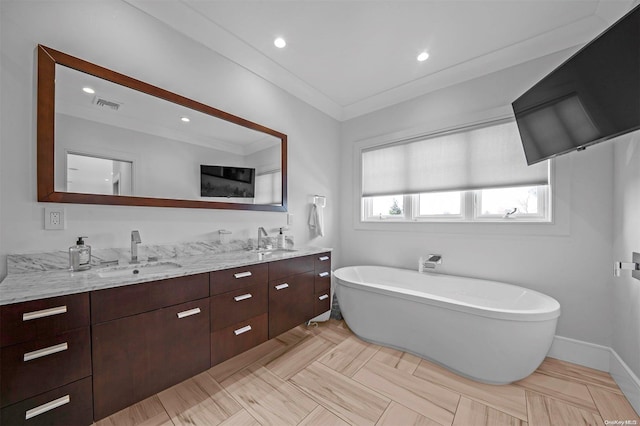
pixel 59 260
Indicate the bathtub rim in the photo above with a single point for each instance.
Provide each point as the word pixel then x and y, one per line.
pixel 447 303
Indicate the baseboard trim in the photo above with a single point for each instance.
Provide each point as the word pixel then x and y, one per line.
pixel 628 382
pixel 581 352
pixel 601 358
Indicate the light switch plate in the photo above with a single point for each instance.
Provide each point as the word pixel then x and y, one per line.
pixel 289 219
pixel 54 218
pixel 635 258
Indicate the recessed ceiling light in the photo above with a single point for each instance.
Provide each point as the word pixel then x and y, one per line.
pixel 279 42
pixel 185 119
pixel 423 56
pixel 88 90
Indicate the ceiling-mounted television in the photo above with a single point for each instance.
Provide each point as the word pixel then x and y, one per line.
pixel 591 97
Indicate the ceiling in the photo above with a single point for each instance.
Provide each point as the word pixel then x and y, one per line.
pixel 351 57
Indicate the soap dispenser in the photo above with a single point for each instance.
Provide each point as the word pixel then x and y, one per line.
pixel 80 256
pixel 281 240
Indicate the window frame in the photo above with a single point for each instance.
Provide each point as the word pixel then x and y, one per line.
pixel 543 215
pixel 470 203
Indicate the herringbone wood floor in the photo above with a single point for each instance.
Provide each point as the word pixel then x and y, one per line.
pixel 326 376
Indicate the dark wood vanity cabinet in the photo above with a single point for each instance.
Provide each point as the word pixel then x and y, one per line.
pixel 72 359
pixel 45 372
pixel 149 343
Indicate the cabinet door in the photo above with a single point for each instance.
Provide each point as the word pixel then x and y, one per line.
pixel 290 302
pixel 137 356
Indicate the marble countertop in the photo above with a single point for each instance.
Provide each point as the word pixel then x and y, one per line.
pixel 32 285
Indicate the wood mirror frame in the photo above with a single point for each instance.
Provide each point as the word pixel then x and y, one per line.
pixel 47 60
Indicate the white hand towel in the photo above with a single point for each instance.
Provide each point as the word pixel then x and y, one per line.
pixel 316 220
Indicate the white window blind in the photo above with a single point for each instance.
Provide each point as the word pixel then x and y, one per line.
pixel 490 156
pixel 268 188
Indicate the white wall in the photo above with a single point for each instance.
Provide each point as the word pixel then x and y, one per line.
pixel 116 35
pixel 162 167
pixel 626 290
pixel 569 260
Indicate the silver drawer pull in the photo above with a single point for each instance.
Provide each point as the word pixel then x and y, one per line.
pixel 45 351
pixel 47 407
pixel 44 313
pixel 188 313
pixel 243 297
pixel 323 258
pixel 324 296
pixel 242 330
pixel 281 286
pixel 323 274
pixel 242 274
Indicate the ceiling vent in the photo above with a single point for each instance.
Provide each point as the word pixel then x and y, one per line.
pixel 106 104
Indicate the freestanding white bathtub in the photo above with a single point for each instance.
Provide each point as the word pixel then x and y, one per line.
pixel 485 330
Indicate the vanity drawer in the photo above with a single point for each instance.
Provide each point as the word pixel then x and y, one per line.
pixel 238 305
pixel 322 262
pixel 322 281
pixel 134 299
pixel 22 322
pixel 322 302
pixel 68 405
pixel 236 278
pixel 41 365
pixel 239 337
pixel 287 267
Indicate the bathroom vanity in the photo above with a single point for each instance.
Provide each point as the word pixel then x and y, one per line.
pixel 73 358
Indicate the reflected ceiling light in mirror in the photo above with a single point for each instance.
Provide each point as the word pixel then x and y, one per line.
pixel 279 42
pixel 422 57
pixel 88 90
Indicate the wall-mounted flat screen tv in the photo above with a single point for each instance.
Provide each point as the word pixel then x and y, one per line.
pixel 592 97
pixel 227 181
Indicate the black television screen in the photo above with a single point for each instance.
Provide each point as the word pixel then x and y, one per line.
pixel 592 97
pixel 227 181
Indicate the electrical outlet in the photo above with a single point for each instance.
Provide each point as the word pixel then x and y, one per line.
pixel 54 218
pixel 289 219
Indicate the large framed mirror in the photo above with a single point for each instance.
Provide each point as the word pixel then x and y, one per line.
pixel 106 138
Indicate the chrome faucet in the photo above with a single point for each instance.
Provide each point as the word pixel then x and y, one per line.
pixel 135 240
pixel 431 261
pixel 261 233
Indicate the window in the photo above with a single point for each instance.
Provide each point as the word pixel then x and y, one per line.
pixel 474 174
pixel 268 188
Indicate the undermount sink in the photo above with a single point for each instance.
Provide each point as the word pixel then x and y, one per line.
pixel 272 253
pixel 137 269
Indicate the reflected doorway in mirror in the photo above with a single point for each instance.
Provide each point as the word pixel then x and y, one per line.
pixel 88 174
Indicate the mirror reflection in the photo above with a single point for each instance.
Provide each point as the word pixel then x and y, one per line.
pixel 110 139
pixel 95 175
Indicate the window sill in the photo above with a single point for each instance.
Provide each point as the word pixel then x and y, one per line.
pixel 490 228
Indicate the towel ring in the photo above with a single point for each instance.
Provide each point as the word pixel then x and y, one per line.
pixel 320 200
